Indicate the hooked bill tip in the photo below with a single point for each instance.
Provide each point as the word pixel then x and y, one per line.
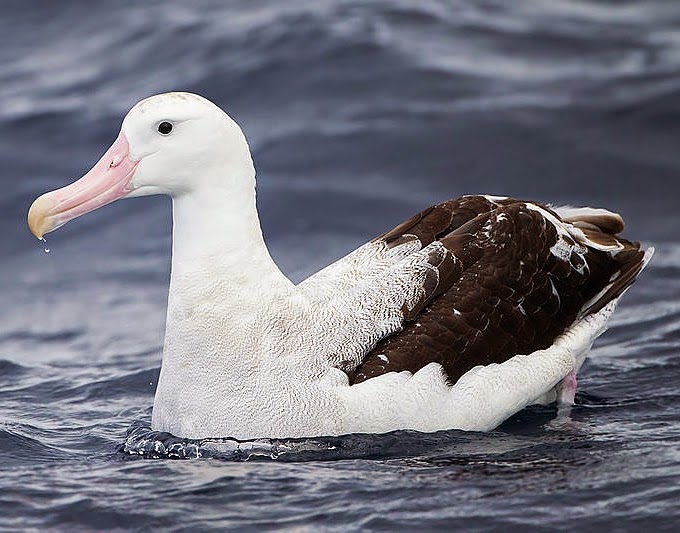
pixel 38 216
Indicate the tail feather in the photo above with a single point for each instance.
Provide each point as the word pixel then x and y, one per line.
pixel 592 218
pixel 633 261
pixel 598 230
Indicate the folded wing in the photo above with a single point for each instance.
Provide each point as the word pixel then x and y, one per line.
pixel 471 281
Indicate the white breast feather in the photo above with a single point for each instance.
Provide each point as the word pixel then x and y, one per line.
pixel 358 300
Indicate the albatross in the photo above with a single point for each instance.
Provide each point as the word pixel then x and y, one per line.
pixel 455 319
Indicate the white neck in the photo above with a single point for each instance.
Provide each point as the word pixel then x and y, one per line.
pixel 224 291
pixel 217 228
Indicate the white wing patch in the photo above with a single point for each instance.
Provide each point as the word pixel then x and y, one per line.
pixel 360 299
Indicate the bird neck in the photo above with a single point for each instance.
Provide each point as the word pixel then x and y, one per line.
pixel 217 232
pixel 223 277
pixel 225 291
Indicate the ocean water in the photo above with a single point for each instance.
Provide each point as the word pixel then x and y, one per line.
pixel 358 114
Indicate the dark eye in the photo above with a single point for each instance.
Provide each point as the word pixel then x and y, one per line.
pixel 165 127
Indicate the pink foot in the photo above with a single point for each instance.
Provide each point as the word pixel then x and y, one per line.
pixel 567 389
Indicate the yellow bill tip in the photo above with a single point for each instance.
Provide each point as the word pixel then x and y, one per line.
pixel 38 216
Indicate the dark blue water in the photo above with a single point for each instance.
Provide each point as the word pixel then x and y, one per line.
pixel 358 114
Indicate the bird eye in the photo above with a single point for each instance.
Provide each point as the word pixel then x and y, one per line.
pixel 165 127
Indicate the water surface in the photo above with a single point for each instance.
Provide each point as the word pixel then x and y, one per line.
pixel 358 115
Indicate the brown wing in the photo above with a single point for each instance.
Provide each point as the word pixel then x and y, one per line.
pixel 515 278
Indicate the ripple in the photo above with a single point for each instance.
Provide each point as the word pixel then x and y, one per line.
pixel 24 443
pixel 142 441
pixel 359 114
pixel 10 370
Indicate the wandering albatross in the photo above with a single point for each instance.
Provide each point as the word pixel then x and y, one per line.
pixel 457 318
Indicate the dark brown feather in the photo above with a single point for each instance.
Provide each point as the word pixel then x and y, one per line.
pixel 500 291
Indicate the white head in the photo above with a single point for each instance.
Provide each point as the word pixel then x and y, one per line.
pixel 173 143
